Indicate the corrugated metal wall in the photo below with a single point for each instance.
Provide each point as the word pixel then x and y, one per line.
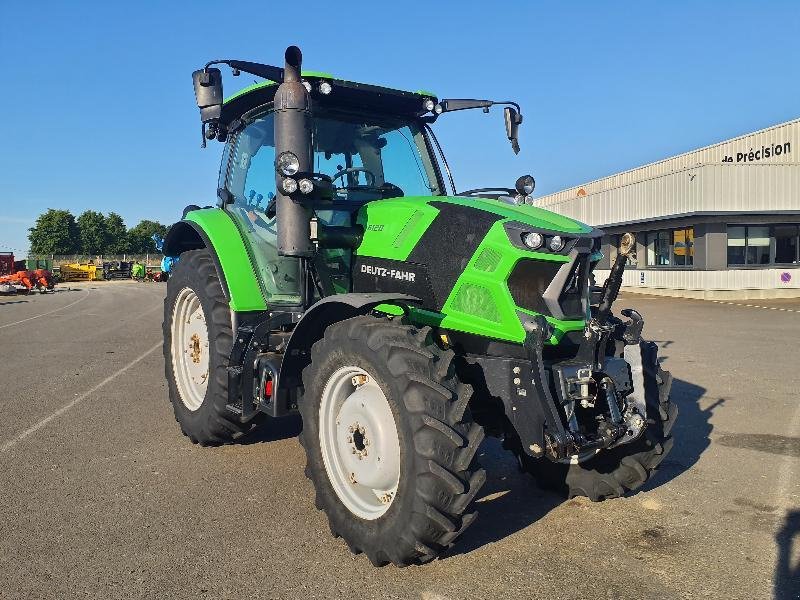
pixel 708 188
pixel 671 181
pixel 731 279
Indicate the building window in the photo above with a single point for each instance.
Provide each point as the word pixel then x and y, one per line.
pixel 670 247
pixel 758 242
pixel 786 244
pixel 737 244
pixel 683 246
pixel 763 244
pixel 657 248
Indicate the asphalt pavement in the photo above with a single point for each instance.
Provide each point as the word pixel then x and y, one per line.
pixel 102 497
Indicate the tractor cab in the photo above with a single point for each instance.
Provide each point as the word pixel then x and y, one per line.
pixel 356 144
pixel 358 156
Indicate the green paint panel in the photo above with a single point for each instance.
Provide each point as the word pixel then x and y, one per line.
pixel 480 302
pixel 226 241
pixel 393 227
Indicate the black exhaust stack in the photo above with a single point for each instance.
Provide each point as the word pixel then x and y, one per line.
pixel 293 134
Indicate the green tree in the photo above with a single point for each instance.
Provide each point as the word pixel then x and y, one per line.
pixel 93 232
pixel 140 237
pixel 55 232
pixel 117 234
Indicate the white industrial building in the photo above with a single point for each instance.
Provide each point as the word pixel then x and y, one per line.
pixel 718 222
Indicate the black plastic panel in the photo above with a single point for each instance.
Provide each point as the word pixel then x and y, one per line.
pixel 529 280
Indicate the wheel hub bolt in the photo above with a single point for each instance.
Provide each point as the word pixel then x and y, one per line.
pixel 359 380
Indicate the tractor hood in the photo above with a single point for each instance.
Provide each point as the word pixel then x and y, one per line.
pixel 466 260
pixel 529 215
pixel 392 227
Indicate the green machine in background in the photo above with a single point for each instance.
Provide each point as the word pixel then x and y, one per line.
pixel 342 276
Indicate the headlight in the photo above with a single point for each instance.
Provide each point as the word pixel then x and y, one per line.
pixel 289 185
pixel 287 164
pixel 429 105
pixel 307 86
pixel 438 109
pixel 533 240
pixel 556 243
pixel 325 88
pixel 306 186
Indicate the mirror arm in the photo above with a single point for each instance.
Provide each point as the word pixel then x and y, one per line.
pixel 264 71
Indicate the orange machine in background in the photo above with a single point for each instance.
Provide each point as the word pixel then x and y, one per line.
pixel 41 279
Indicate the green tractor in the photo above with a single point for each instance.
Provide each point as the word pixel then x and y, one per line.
pixel 342 276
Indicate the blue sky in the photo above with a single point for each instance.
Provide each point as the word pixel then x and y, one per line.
pixel 98 110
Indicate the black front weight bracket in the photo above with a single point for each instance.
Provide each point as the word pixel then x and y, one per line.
pixel 524 388
pixel 540 408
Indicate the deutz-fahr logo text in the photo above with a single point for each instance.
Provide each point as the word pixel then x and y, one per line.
pixel 388 273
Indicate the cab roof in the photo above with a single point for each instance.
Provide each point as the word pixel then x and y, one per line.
pixel 344 94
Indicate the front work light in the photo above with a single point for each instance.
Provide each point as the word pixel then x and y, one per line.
pixel 533 240
pixel 306 186
pixel 287 164
pixel 556 243
pixel 325 88
pixel 525 185
pixel 429 105
pixel 289 185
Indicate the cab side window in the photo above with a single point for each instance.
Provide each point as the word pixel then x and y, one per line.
pixel 251 181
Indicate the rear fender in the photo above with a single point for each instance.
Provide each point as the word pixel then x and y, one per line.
pixel 213 228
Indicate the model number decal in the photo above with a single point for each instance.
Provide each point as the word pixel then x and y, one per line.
pixel 388 273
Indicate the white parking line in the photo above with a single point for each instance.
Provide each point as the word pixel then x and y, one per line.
pixel 81 299
pixel 28 432
pixel 791 310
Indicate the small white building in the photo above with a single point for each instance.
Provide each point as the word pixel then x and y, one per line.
pixel 718 222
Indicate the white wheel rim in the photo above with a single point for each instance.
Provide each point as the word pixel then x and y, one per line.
pixel 190 349
pixel 359 442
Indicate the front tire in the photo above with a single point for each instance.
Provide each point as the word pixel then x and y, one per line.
pixel 389 442
pixel 615 472
pixel 197 344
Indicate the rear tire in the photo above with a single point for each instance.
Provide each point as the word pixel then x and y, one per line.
pixel 415 386
pixel 197 344
pixel 613 473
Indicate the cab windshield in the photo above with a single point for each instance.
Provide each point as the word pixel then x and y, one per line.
pixel 370 157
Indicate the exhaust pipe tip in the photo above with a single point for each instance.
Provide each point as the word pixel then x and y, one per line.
pixel 293 60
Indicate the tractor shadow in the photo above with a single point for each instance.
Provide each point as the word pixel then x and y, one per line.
pixel 691 433
pixel 787 568
pixel 273 430
pixel 511 501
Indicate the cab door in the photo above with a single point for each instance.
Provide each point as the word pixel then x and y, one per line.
pixel 249 176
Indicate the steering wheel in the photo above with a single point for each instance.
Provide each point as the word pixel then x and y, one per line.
pixel 370 176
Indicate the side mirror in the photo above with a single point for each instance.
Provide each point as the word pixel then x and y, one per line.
pixel 513 120
pixel 208 93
